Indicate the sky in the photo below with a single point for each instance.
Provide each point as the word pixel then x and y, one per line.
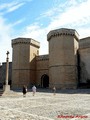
pixel 36 18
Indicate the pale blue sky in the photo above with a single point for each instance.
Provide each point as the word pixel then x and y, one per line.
pixel 35 18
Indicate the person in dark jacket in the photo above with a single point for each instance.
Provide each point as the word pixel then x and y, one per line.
pixel 24 91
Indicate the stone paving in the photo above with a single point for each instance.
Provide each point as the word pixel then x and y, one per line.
pixel 65 105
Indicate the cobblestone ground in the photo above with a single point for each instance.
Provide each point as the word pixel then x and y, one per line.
pixel 65 105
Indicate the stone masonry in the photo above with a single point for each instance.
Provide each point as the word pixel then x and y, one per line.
pixel 63 46
pixel 24 64
pixel 66 66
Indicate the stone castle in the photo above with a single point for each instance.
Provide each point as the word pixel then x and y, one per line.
pixel 66 66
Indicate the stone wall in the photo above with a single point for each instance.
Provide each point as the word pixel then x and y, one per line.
pixel 42 67
pixel 84 51
pixel 3 73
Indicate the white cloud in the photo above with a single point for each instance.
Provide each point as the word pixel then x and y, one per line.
pixel 54 10
pixel 60 7
pixel 10 7
pixel 15 7
pixel 84 32
pixel 6 30
pixel 74 16
pixel 70 15
pixel 7 5
pixel 5 40
pixel 24 0
pixel 17 22
pixel 39 34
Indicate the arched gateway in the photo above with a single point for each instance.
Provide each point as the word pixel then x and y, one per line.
pixel 45 81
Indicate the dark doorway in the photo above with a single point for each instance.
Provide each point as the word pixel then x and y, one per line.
pixel 45 81
pixel 1 85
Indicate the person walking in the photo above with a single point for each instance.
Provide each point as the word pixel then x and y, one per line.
pixel 54 90
pixel 34 90
pixel 24 91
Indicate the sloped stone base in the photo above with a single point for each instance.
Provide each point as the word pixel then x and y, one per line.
pixel 6 88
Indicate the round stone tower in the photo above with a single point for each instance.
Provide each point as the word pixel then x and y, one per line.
pixel 23 62
pixel 63 46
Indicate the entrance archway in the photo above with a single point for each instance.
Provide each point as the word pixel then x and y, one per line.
pixel 45 81
pixel 1 85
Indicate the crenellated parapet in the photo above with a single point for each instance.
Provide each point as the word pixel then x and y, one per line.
pixel 63 31
pixel 26 41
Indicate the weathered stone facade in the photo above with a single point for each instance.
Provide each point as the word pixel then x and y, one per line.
pixel 24 63
pixel 42 69
pixel 84 51
pixel 66 66
pixel 3 73
pixel 63 46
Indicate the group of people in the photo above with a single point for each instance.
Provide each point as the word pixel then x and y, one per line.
pixel 34 90
pixel 25 90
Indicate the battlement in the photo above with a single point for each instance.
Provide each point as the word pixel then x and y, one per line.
pixel 84 43
pixel 63 31
pixel 26 41
pixel 42 57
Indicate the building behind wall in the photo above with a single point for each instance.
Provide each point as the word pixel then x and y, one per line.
pixel 3 74
pixel 66 66
pixel 84 52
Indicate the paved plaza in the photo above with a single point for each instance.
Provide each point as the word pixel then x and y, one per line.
pixel 65 105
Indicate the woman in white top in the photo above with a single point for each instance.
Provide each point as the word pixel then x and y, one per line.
pixel 34 90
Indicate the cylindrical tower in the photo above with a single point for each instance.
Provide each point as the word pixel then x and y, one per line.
pixel 23 61
pixel 63 46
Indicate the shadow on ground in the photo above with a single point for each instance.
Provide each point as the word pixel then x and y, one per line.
pixel 58 91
